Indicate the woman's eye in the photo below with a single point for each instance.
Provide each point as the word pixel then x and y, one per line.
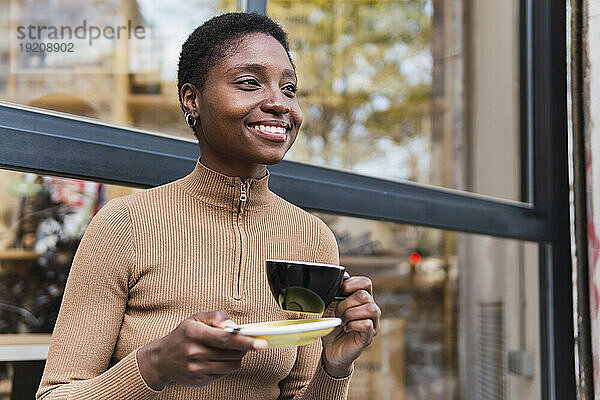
pixel 249 81
pixel 290 88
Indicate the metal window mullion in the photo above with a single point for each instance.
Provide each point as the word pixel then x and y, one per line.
pixel 547 323
pixel 556 324
pixel 551 203
pixel 257 6
pixel 525 100
pixel 88 150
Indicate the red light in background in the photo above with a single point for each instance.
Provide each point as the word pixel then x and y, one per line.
pixel 414 258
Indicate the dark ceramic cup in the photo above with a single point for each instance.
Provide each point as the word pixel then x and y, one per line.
pixel 304 287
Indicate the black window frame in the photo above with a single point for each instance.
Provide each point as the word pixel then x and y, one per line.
pixel 59 144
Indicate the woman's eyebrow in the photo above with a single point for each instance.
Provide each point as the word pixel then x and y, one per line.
pixel 290 73
pixel 260 69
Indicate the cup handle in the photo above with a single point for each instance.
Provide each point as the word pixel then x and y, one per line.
pixel 340 298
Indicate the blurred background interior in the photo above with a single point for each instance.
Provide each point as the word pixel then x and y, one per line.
pixel 420 90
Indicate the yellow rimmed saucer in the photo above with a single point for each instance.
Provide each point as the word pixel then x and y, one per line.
pixel 293 332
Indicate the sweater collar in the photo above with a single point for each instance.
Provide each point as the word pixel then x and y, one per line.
pixel 224 191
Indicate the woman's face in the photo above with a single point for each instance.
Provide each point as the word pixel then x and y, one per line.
pixel 248 114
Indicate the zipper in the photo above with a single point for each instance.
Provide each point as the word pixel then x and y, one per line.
pixel 243 199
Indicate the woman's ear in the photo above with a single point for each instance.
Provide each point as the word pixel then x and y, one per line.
pixel 189 100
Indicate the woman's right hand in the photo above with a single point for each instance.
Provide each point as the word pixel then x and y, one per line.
pixel 195 353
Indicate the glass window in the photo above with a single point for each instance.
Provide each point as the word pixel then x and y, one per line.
pixel 111 60
pixel 42 219
pixel 460 312
pixel 449 301
pixel 419 90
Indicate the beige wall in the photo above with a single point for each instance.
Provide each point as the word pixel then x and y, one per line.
pixel 492 87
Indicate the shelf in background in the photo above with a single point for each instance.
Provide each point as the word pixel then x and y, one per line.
pixel 23 347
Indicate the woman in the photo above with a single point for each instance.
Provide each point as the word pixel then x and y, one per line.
pixel 129 325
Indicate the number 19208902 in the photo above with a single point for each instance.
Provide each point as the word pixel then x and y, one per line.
pixel 46 47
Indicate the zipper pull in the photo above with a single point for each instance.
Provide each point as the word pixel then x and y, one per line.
pixel 243 196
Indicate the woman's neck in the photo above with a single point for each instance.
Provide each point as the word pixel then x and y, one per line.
pixel 256 171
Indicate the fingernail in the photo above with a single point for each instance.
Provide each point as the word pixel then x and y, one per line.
pixel 260 344
pixel 230 324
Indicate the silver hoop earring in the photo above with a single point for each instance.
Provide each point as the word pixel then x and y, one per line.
pixel 189 120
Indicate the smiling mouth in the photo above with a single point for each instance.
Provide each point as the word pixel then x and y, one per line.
pixel 277 133
pixel 269 128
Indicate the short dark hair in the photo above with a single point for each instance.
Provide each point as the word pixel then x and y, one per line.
pixel 214 39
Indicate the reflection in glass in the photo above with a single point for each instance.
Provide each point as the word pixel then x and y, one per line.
pixel 409 89
pixel 43 219
pixel 365 72
pixel 121 76
pixel 414 272
pixel 405 89
pixel 455 306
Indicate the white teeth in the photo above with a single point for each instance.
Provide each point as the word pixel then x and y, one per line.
pixel 270 128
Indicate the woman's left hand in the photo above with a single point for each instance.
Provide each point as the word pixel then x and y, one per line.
pixel 360 323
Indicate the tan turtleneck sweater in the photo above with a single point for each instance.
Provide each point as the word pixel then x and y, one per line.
pixel 151 259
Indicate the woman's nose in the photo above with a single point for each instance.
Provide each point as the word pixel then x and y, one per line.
pixel 275 103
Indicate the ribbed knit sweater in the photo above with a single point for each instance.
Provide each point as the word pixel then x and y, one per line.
pixel 151 259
